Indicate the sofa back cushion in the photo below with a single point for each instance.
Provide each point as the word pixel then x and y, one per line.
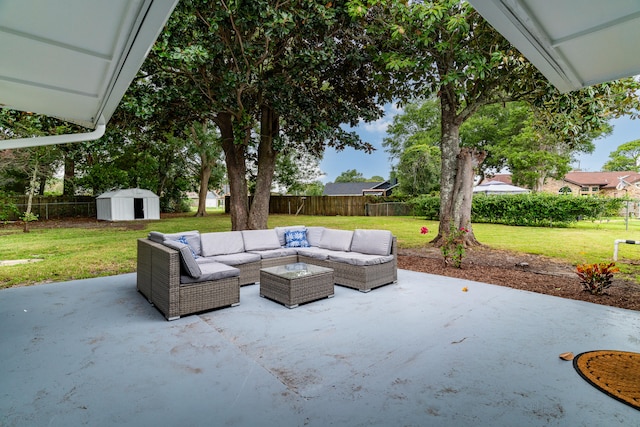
pixel 280 231
pixel 336 240
pixel 192 238
pixel 222 243
pixel 187 261
pixel 260 240
pixel 314 234
pixel 372 242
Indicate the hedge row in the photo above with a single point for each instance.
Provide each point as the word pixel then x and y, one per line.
pixel 535 209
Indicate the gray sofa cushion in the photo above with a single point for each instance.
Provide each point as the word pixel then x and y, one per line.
pixel 281 230
pixel 314 252
pixel 314 234
pixel 260 240
pixel 156 236
pixel 276 253
pixel 221 243
pixel 336 240
pixel 374 242
pixel 356 258
pixel 237 259
pixel 211 271
pixel 187 261
pixel 192 237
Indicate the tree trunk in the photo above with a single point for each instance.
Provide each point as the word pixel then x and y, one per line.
pixel 68 183
pixel 269 129
pixel 236 172
pixel 205 174
pixel 32 188
pixel 456 179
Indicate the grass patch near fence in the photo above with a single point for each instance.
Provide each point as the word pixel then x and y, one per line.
pixel 78 253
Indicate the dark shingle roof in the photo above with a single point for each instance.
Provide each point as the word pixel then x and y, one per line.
pixel 347 188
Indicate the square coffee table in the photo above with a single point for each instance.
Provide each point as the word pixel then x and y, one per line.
pixel 297 283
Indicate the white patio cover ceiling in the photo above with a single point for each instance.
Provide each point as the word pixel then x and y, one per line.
pixel 574 43
pixel 74 59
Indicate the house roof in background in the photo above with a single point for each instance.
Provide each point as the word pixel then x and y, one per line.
pixel 75 59
pixel 502 177
pixel 602 179
pixel 348 188
pixel 574 43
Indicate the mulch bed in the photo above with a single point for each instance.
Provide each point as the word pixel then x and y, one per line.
pixel 520 271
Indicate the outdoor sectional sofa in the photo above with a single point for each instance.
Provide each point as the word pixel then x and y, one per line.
pixel 190 272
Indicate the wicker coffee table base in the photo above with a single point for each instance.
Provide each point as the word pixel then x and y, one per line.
pixel 294 291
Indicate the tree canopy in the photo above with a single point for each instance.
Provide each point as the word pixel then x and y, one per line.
pixel 625 158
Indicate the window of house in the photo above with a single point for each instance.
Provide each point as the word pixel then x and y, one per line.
pixel 584 189
pixel 565 190
pixel 595 189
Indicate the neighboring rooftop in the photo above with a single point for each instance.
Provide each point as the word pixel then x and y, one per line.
pixel 347 188
pixel 602 179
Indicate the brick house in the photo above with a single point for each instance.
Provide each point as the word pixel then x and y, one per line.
pixel 609 184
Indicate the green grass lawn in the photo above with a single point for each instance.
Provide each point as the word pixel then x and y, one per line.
pixel 76 253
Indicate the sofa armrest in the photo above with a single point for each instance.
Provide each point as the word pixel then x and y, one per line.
pixel 163 274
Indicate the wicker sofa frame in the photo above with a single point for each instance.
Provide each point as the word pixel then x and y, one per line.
pixel 158 279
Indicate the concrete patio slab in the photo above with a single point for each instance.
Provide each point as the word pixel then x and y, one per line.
pixel 417 353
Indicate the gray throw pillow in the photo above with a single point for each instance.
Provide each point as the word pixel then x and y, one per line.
pixel 187 260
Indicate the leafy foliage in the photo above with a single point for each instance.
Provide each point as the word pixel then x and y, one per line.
pixel 537 210
pixel 452 249
pixel 595 278
pixel 625 158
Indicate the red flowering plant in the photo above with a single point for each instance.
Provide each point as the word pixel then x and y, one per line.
pixel 595 278
pixel 453 246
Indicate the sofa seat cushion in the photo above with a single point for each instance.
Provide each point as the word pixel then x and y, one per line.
pixel 356 258
pixel 315 253
pixel 221 243
pixel 211 271
pixel 188 262
pixel 260 240
pixel 336 240
pixel 236 259
pixel 373 242
pixel 275 253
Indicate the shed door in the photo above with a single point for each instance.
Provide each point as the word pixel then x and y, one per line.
pixel 138 208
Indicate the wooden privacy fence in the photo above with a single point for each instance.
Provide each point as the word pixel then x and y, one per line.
pixel 318 205
pixel 332 206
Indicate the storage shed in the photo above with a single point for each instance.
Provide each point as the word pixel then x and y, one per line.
pixel 128 204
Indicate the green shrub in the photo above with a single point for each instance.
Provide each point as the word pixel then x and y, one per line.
pixel 535 209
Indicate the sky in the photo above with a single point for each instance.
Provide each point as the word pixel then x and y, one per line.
pixel 377 163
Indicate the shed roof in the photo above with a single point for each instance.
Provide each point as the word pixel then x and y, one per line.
pixel 135 193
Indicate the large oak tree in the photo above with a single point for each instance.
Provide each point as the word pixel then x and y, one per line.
pixel 297 69
pixel 444 47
